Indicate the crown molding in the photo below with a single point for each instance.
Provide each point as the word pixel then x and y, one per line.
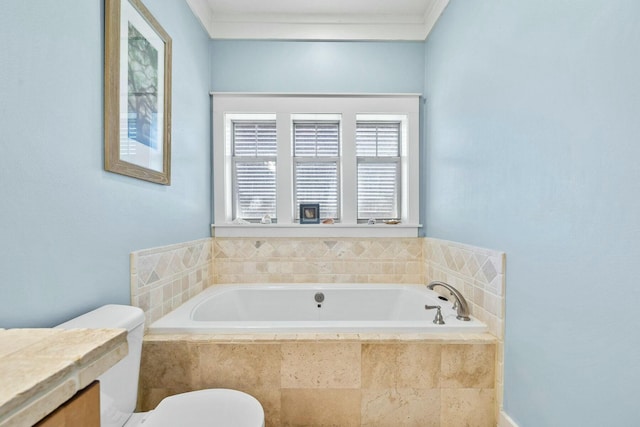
pixel 432 14
pixel 297 26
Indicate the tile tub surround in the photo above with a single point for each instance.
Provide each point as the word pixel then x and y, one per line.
pixel 317 260
pixel 334 379
pixel 476 272
pixel 480 275
pixel 163 278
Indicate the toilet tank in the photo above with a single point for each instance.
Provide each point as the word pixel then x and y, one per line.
pixel 119 385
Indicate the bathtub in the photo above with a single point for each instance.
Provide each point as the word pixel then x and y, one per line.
pixel 322 308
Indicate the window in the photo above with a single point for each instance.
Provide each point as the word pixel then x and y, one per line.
pixel 316 148
pixel 355 155
pixel 378 152
pixel 254 169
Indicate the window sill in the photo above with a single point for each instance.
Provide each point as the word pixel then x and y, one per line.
pixel 314 230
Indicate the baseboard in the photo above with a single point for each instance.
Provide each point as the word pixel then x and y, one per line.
pixel 505 421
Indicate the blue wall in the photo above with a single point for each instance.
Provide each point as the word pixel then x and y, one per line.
pixel 310 67
pixel 66 226
pixel 532 148
pixel 318 67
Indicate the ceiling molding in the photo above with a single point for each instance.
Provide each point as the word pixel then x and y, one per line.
pixel 402 25
pixel 432 14
pixel 203 12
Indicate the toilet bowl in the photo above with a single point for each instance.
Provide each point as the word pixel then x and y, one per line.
pixel 119 385
pixel 203 408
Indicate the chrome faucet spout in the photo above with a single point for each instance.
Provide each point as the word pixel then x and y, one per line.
pixel 462 306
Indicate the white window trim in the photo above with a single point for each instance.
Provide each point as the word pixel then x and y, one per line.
pixel 231 120
pixel 297 160
pixel 287 105
pixel 402 121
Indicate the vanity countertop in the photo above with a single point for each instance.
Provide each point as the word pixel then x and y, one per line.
pixel 40 369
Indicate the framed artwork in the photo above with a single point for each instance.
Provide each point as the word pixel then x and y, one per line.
pixel 137 93
pixel 309 213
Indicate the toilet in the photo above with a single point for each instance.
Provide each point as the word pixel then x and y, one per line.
pixel 119 385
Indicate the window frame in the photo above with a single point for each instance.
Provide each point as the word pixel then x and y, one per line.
pixel 398 198
pixel 285 107
pixel 297 160
pixel 247 159
pixel 397 159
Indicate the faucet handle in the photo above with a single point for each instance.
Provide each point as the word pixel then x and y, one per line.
pixel 438 319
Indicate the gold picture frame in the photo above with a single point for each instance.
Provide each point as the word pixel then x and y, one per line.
pixel 137 93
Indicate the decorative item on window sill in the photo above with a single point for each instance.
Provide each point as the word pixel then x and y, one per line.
pixel 372 221
pixel 266 219
pixel 392 222
pixel 328 221
pixel 309 213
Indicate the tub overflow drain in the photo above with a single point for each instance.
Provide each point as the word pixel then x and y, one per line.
pixel 319 297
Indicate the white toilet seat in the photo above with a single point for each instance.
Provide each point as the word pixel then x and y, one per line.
pixel 205 408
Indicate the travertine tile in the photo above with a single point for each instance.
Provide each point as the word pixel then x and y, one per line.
pixel 162 278
pixel 238 366
pixel 468 366
pixel 386 369
pixel 93 370
pixel 24 377
pixel 321 365
pixel 468 408
pixel 35 410
pixel 76 345
pixel 414 365
pixel 478 272
pixel 307 260
pixel 401 407
pixel 270 399
pixel 320 407
pixel 167 365
pixel 13 340
pixel 40 369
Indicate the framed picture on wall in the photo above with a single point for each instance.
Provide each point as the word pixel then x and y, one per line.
pixel 309 213
pixel 137 93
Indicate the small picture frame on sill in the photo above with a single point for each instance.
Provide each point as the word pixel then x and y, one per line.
pixel 309 213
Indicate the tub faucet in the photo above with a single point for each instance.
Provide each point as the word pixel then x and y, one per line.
pixel 461 304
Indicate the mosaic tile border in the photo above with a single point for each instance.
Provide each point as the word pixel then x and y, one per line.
pixel 165 277
pixel 310 260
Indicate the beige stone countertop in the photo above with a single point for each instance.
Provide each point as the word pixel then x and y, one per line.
pixel 40 369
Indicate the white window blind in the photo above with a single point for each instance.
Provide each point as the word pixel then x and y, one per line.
pixel 254 169
pixel 378 158
pixel 316 148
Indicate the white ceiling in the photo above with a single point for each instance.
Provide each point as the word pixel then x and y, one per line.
pixel 318 19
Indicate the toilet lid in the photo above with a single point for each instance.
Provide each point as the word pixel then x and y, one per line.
pixel 207 408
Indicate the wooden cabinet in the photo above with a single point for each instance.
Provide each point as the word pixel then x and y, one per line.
pixel 82 410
